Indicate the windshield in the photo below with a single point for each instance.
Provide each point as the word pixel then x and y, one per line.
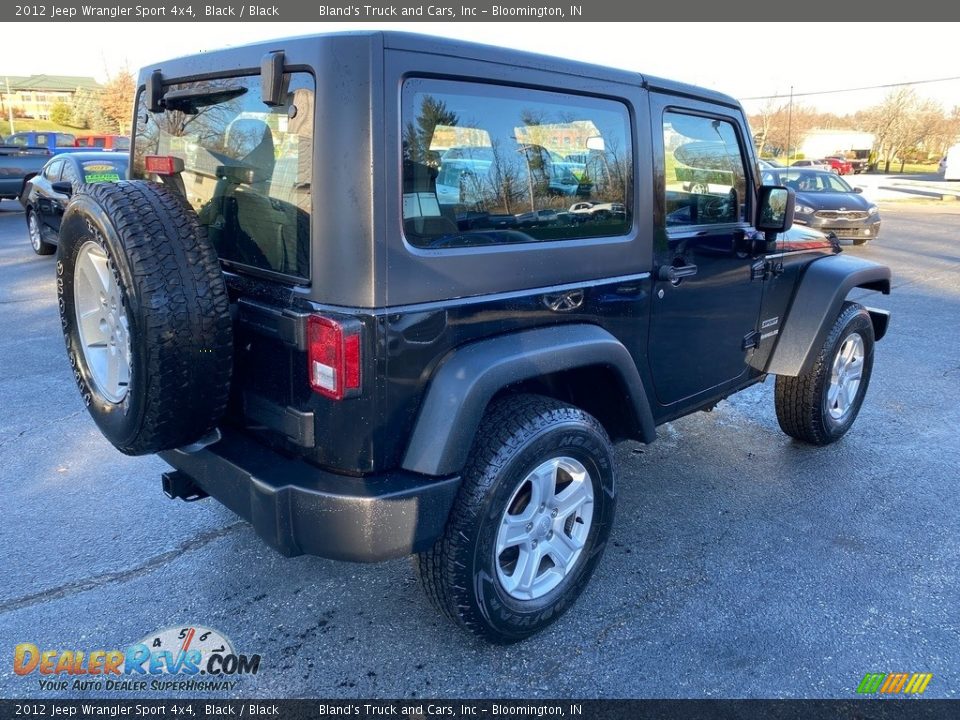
pixel 246 166
pixel 812 182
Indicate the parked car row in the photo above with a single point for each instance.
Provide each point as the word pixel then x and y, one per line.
pixel 61 142
pixel 834 163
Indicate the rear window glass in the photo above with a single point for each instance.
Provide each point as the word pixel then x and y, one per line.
pixel 96 171
pixel 487 165
pixel 246 166
pixel 65 140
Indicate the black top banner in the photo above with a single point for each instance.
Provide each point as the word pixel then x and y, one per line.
pixel 338 11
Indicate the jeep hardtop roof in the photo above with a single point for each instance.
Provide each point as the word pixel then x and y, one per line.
pixel 354 211
pixel 248 57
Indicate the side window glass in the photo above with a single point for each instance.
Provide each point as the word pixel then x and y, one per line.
pixel 41 140
pixel 704 179
pixel 491 165
pixel 69 172
pixel 52 173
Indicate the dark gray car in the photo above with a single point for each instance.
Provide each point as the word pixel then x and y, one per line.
pixel 828 203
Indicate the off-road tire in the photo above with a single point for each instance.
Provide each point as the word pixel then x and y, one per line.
pixel 801 401
pixel 458 573
pixel 175 300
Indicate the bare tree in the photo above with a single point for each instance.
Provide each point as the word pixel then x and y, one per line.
pixel 763 122
pixel 887 122
pixel 778 129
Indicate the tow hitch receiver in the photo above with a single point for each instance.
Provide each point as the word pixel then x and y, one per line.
pixel 179 485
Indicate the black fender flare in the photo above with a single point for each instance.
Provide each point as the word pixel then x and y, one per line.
pixel 466 381
pixel 817 302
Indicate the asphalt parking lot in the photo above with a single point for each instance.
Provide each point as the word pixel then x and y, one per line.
pixel 742 564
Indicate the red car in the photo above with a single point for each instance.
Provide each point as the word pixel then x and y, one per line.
pixel 104 142
pixel 839 165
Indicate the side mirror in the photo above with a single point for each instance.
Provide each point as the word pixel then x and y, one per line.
pixel 775 208
pixel 858 190
pixel 63 187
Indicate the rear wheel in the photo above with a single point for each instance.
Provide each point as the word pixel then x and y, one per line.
pixel 39 245
pixel 145 315
pixel 530 522
pixel 820 405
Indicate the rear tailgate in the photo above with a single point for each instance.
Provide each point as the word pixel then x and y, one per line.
pixel 16 164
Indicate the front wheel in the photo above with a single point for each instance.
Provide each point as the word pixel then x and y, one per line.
pixel 820 405
pixel 530 522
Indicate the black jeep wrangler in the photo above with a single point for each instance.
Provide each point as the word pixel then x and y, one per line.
pixel 383 294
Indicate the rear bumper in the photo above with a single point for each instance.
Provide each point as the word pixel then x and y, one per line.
pixel 300 509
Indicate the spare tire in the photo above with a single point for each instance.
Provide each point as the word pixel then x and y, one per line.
pixel 145 315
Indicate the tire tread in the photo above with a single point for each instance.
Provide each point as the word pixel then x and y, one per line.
pixel 184 313
pixel 508 423
pixel 798 399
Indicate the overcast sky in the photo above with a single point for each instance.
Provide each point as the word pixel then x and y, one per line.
pixel 741 59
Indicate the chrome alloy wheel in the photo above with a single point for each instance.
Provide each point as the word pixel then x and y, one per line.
pixel 102 322
pixel 544 528
pixel 845 374
pixel 33 225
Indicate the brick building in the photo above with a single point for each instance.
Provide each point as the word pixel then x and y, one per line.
pixel 34 96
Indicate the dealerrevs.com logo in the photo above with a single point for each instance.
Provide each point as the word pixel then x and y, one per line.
pixel 188 659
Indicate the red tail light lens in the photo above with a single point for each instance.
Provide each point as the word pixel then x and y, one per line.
pixel 163 164
pixel 333 358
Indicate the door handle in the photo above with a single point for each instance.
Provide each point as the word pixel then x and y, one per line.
pixel 675 273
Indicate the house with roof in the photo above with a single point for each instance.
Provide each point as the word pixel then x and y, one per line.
pixel 34 96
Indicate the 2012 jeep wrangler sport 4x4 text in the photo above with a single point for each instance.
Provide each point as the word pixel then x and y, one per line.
pixel 383 295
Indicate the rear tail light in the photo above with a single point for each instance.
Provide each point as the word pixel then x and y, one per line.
pixel 163 164
pixel 333 357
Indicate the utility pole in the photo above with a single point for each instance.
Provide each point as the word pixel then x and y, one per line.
pixel 10 107
pixel 789 123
